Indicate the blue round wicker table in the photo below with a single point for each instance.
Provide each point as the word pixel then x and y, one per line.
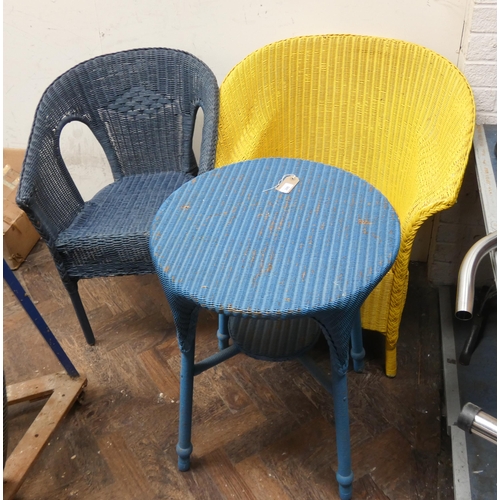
pixel 279 267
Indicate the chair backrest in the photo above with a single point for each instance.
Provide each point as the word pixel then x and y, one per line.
pixel 140 104
pixel 397 114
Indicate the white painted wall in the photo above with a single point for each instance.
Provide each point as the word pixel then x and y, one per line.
pixel 43 38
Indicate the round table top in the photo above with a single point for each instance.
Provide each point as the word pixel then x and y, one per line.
pixel 230 242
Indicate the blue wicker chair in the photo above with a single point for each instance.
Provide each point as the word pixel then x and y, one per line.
pixel 141 105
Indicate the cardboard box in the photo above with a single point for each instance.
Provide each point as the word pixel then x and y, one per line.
pixel 19 236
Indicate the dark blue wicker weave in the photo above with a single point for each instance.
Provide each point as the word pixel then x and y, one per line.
pixel 141 105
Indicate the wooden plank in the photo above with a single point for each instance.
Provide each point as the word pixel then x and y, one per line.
pixel 265 485
pixel 124 465
pixel 64 392
pixel 367 489
pixel 32 390
pixel 212 433
pixel 227 479
pixel 389 460
pixel 160 373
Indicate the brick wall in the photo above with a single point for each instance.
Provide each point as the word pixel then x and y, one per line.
pixel 478 56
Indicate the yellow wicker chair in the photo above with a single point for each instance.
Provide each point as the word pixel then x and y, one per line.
pixel 397 114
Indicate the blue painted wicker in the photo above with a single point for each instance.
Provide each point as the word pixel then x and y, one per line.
pixel 282 267
pixel 141 105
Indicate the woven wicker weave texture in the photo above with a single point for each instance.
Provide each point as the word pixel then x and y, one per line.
pixel 228 241
pixel 397 114
pixel 141 105
pixel 320 249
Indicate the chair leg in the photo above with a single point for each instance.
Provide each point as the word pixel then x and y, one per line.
pixel 391 363
pixel 222 332
pixel 357 350
pixel 341 411
pixel 184 447
pixel 80 312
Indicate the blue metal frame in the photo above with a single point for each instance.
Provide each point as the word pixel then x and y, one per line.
pixel 39 322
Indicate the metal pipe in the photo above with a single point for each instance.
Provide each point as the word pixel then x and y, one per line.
pixel 467 275
pixel 474 420
pixel 485 425
pixel 39 322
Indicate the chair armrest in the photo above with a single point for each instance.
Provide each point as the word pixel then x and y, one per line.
pixel 210 105
pixel 47 193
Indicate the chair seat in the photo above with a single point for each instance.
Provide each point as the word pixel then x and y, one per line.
pixel 274 340
pixel 110 236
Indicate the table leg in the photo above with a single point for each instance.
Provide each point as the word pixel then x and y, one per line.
pixel 184 447
pixel 337 329
pixel 357 350
pixel 223 332
pixel 185 315
pixel 341 411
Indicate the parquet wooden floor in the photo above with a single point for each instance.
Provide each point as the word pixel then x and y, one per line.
pixel 261 430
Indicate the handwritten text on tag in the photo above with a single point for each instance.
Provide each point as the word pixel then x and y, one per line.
pixel 287 184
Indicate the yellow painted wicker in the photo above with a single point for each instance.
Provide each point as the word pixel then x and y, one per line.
pixel 397 114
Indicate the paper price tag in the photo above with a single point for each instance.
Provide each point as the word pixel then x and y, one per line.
pixel 287 184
